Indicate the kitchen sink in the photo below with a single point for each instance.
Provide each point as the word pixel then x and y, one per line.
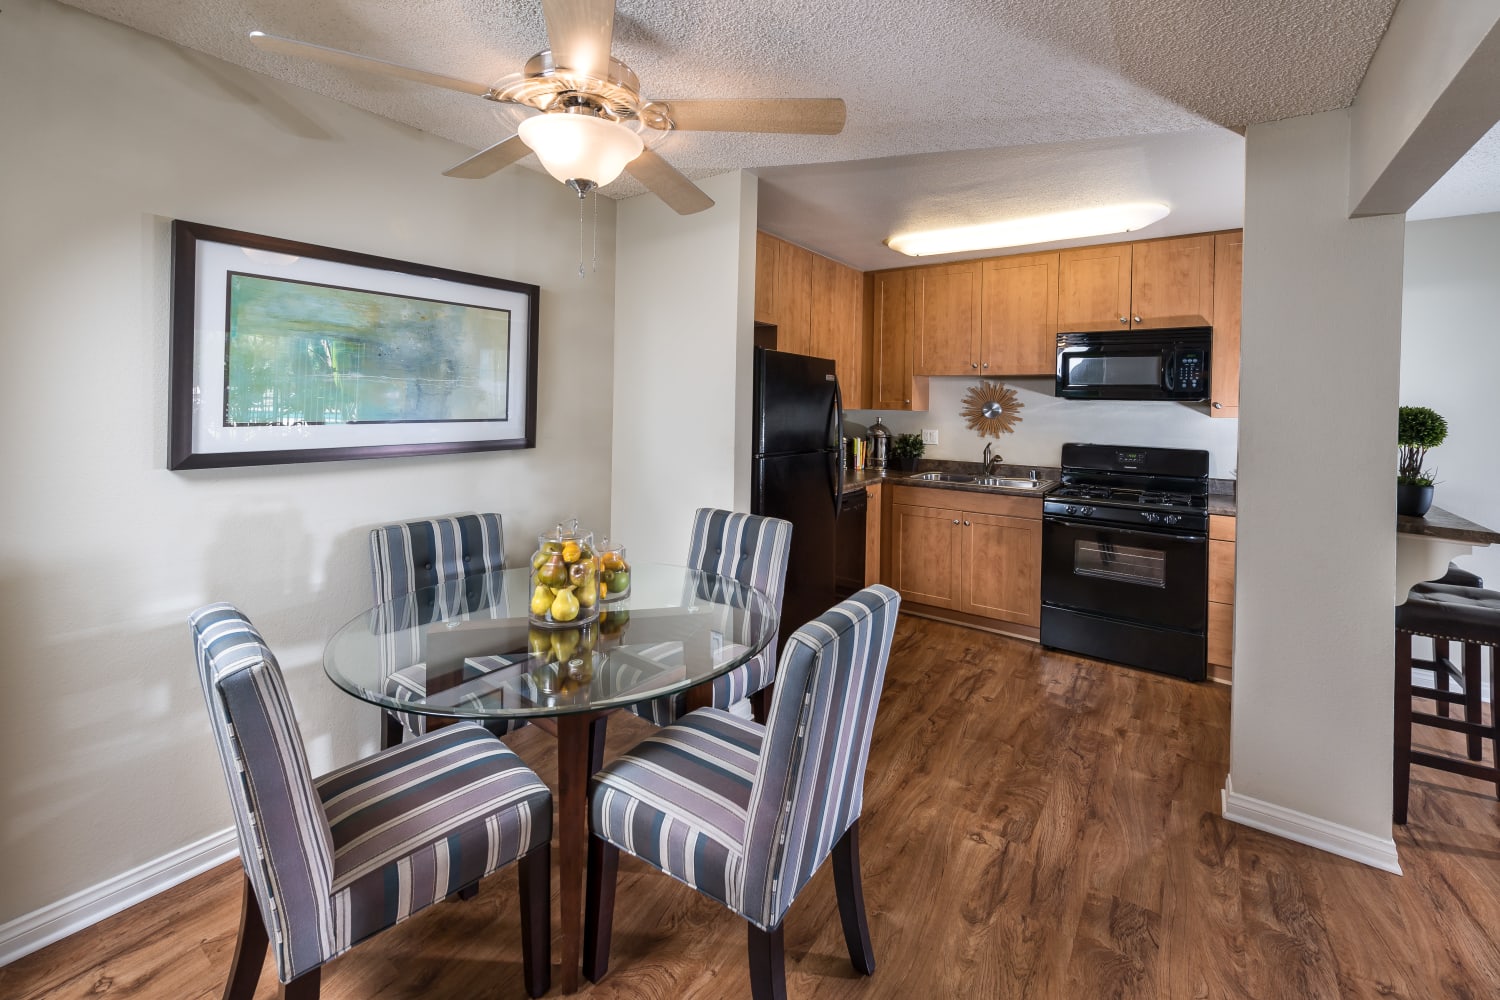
pixel 943 477
pixel 1001 482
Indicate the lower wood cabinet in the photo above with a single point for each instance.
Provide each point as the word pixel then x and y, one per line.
pixel 1221 593
pixel 976 554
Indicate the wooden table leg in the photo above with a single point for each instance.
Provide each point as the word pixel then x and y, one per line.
pixel 577 738
pixel 700 696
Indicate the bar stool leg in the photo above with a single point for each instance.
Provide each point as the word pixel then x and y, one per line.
pixel 1401 765
pixel 1473 699
pixel 1440 671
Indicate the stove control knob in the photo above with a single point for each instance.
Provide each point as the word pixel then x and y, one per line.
pixel 1150 518
pixel 1171 518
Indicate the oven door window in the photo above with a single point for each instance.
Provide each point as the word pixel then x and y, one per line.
pixel 1103 558
pixel 1098 370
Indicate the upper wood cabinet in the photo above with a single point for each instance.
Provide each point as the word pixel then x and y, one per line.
pixel 1172 283
pixel 893 304
pixel 1224 379
pixel 1151 285
pixel 947 338
pixel 817 307
pixel 1018 315
pixel 1093 289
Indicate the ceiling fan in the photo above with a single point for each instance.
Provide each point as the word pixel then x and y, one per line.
pixel 592 117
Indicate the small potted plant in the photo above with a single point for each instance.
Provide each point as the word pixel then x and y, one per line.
pixel 905 450
pixel 1417 429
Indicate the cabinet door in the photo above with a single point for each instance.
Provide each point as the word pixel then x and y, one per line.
pixel 1172 283
pixel 823 309
pixel 1002 563
pixel 836 322
pixel 1019 315
pixel 1093 288
pixel 793 298
pixel 924 563
pixel 1224 380
pixel 765 277
pixel 947 331
pixel 1221 634
pixel 892 304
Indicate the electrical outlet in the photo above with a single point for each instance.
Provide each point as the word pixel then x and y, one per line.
pixel 929 435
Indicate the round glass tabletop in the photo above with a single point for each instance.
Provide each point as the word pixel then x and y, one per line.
pixel 468 649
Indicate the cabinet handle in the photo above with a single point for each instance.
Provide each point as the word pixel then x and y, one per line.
pixel 974 364
pixel 1218 406
pixel 906 401
pixel 966 524
pixel 1137 319
pixel 1124 319
pixel 955 520
pixel 986 364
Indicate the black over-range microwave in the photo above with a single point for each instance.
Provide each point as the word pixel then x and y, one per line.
pixel 1152 364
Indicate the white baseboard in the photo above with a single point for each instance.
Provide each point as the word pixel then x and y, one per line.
pixel 1335 838
pixel 35 930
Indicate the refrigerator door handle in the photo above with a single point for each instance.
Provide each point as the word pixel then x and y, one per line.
pixel 836 424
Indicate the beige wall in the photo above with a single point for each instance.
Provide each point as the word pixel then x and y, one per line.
pixel 1449 356
pixel 683 342
pixel 105 756
pixel 1316 553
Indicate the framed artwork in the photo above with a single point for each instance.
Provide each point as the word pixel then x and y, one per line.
pixel 288 352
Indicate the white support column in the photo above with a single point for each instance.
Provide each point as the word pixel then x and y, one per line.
pixel 1310 753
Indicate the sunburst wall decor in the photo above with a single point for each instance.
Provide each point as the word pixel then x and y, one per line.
pixel 991 409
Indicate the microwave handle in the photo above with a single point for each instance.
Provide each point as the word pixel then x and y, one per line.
pixel 1169 371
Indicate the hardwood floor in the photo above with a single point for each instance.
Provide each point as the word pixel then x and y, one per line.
pixel 1035 826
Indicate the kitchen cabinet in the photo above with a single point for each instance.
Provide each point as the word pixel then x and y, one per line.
pixel 976 554
pixel 1150 285
pixel 947 332
pixel 1224 377
pixel 893 307
pixel 816 305
pixel 1018 315
pixel 1221 542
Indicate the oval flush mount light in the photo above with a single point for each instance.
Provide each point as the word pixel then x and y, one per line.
pixel 1101 221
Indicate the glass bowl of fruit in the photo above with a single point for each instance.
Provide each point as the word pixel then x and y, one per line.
pixel 614 572
pixel 564 578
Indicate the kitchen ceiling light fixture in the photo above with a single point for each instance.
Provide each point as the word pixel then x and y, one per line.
pixel 581 150
pixel 1101 221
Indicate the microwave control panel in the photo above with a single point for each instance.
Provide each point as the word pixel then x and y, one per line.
pixel 1189 373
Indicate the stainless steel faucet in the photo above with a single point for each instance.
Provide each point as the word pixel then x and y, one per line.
pixel 991 460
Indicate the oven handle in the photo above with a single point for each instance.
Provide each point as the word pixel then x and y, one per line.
pixel 1116 529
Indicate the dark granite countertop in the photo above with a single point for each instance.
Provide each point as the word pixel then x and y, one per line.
pixel 1444 524
pixel 855 478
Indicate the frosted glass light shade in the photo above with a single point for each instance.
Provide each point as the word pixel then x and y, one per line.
pixel 1100 221
pixel 581 147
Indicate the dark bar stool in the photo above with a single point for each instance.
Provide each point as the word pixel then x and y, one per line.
pixel 1455 577
pixel 1445 613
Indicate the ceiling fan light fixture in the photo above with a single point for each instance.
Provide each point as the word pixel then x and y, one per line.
pixel 581 147
pixel 1104 220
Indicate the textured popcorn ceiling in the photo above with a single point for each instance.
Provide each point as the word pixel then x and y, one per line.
pixel 936 77
pixel 1471 186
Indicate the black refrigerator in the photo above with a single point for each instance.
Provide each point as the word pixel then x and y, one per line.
pixel 797 476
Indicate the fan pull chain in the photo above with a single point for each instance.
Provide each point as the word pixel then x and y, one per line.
pixel 596 230
pixel 581 274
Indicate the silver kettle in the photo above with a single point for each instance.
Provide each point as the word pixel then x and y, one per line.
pixel 880 445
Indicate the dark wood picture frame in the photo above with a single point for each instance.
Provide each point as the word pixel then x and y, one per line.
pixel 185 448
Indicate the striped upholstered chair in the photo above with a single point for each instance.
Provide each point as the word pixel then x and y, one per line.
pixel 331 861
pixel 449 560
pixel 752 550
pixel 746 813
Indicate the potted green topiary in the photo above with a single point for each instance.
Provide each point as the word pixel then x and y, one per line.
pixel 905 450
pixel 1417 429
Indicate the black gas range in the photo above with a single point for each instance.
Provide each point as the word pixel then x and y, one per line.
pixel 1125 557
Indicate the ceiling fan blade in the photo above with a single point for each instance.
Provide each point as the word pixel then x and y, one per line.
pixel 580 32
pixel 348 60
pixel 795 115
pixel 487 161
pixel 681 195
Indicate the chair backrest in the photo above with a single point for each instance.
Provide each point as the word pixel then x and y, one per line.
pixel 417 554
pixel 809 785
pixel 748 548
pixel 285 843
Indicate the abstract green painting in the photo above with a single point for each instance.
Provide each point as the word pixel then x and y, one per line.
pixel 300 353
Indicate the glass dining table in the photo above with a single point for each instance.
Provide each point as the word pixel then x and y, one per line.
pixel 469 650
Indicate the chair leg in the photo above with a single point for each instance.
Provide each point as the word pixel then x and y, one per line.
pixel 535 871
pixel 1473 698
pixel 767 964
pixel 249 949
pixel 597 730
pixel 1440 671
pixel 304 987
pixel 469 891
pixel 390 731
pixel 1401 769
pixel 851 893
pixel 760 704
pixel 599 907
